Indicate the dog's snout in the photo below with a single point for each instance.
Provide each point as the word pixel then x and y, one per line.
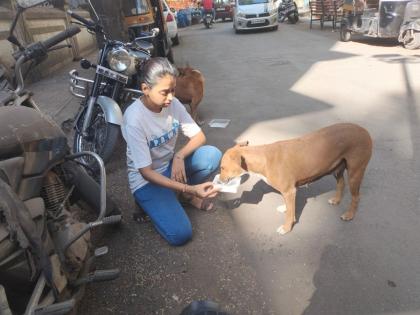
pixel 224 179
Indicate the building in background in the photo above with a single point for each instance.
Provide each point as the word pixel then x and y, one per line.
pixel 37 24
pixel 182 4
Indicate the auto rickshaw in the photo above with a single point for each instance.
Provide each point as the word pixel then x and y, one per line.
pixel 144 15
pixel 399 19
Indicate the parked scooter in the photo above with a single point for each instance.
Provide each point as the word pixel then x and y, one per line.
pixel 116 82
pixel 45 250
pixel 208 19
pixel 288 10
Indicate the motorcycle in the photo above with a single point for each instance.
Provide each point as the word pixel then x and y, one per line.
pixel 46 255
pixel 208 19
pixel 288 10
pixel 116 82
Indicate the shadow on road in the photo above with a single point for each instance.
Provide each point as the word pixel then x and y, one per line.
pixel 236 258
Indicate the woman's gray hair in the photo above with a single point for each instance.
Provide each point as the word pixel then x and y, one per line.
pixel 155 69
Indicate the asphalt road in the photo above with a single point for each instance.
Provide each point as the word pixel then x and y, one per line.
pixel 273 86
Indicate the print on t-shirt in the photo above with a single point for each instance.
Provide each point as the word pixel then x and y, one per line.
pixel 158 141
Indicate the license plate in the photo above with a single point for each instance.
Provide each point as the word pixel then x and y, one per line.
pixel 111 74
pixel 257 21
pixel 220 9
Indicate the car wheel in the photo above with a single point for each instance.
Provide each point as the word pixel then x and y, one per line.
pixel 293 18
pixel 234 27
pixel 175 40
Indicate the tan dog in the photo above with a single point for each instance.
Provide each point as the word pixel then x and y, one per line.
pixel 190 89
pixel 292 163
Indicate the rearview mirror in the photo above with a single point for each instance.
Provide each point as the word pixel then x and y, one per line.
pixel 29 3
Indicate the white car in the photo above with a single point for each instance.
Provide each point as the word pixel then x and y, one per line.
pixel 255 14
pixel 171 23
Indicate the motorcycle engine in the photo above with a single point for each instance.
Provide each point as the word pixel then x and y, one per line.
pixel 65 224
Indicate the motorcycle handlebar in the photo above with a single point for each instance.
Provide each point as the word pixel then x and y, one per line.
pixel 37 50
pixel 89 24
pixel 69 32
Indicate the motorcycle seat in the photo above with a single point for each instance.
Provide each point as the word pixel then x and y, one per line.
pixel 24 129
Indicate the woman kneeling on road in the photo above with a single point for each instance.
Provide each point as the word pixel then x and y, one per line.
pixel 155 173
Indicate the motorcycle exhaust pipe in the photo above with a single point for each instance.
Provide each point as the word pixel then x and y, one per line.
pixel 88 189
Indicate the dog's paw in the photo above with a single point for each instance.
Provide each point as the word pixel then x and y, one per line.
pixel 347 216
pixel 334 201
pixel 281 208
pixel 282 230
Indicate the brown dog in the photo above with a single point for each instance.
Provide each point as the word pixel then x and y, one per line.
pixel 292 163
pixel 190 89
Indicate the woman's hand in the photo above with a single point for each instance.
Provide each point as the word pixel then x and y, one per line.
pixel 204 190
pixel 178 169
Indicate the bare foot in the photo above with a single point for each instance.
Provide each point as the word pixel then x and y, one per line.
pixel 201 204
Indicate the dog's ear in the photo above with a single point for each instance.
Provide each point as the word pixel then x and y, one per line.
pixel 243 164
pixel 242 144
pixel 180 71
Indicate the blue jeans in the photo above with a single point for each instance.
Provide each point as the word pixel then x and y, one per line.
pixel 162 205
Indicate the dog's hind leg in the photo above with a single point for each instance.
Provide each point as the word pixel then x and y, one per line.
pixel 290 199
pixel 194 110
pixel 355 179
pixel 339 176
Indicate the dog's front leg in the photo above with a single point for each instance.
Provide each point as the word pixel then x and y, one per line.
pixel 290 199
pixel 194 115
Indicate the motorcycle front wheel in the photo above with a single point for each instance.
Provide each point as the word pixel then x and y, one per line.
pixel 293 18
pixel 345 34
pixel 101 137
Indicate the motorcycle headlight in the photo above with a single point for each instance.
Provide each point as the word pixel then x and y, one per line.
pixel 118 59
pixel 137 58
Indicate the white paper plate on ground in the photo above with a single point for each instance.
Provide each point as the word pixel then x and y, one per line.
pixel 229 187
pixel 219 123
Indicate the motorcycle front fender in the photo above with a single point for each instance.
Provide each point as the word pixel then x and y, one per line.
pixel 111 109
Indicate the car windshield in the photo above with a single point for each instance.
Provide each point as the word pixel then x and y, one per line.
pixel 247 2
pixel 135 7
